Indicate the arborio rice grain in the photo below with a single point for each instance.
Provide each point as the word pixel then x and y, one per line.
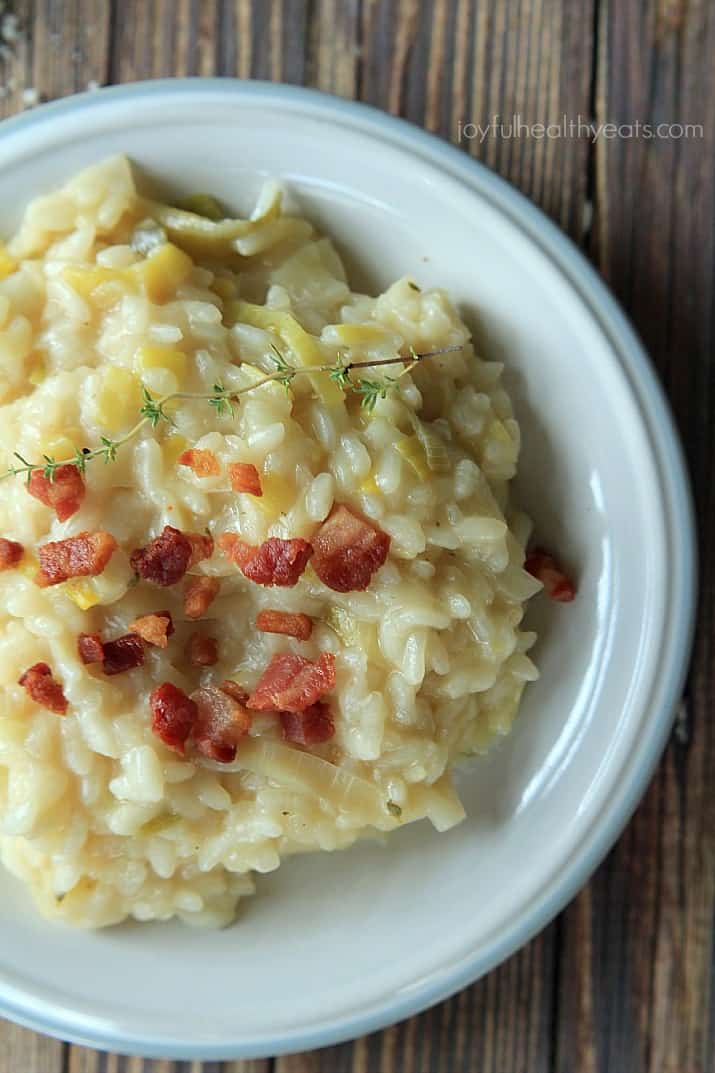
pixel 99 818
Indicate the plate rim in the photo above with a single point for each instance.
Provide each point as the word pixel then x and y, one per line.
pixel 679 525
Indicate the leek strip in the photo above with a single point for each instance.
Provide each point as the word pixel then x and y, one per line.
pixel 434 447
pixel 211 236
pixel 297 770
pixel 303 345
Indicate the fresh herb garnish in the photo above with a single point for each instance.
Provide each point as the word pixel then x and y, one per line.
pixel 153 410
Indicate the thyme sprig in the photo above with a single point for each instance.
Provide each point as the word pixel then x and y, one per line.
pixel 153 411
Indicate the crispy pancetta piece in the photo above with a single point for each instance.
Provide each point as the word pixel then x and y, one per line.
pixel 44 690
pixel 291 624
pixel 199 594
pixel 347 550
pixel 173 715
pixel 222 722
pixel 292 683
pixel 154 629
pixel 310 727
pixel 122 655
pixel 275 562
pixel 63 492
pixel 166 559
pixel 10 553
pixel 557 585
pixel 235 549
pixel 202 547
pixel 244 477
pixel 90 648
pixel 84 555
pixel 203 463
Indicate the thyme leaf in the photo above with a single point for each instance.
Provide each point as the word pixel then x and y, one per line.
pixel 340 374
pixel 222 400
pixel 109 450
pixel 153 409
pixel 286 372
pixel 50 468
pixel 371 391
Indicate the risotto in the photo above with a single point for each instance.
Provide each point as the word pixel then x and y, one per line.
pixel 261 586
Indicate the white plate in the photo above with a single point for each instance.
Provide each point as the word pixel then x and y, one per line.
pixel 334 946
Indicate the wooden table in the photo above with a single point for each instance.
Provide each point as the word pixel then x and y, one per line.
pixel 622 982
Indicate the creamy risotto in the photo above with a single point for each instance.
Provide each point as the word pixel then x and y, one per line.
pixel 261 586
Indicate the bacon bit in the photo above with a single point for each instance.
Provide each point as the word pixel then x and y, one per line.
pixel 10 553
pixel 124 654
pixel 544 567
pixel 202 651
pixel 278 562
pixel 155 629
pixel 292 683
pixel 293 625
pixel 84 555
pixel 173 716
pixel 233 689
pixel 348 550
pixel 244 477
pixel 202 547
pixel 203 463
pixel 90 648
pixel 199 594
pixel 275 562
pixel 221 723
pixel 310 727
pixel 236 549
pixel 165 559
pixel 64 493
pixel 43 688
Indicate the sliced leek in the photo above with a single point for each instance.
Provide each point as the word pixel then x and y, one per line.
pixel 297 770
pixel 304 347
pixel 203 205
pixel 434 446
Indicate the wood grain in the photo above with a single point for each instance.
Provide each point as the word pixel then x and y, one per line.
pixel 623 981
pixel 22 1050
pixel 82 1060
pixel 445 64
pixel 61 49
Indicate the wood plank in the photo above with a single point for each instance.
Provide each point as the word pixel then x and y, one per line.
pixel 83 1060
pixel 446 64
pixel 333 61
pixel 22 1051
pixel 60 49
pixel 637 971
pixel 213 37
pixel 278 38
pixel 70 46
pixel 164 38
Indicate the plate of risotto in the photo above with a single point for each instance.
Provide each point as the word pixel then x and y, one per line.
pixel 346 569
